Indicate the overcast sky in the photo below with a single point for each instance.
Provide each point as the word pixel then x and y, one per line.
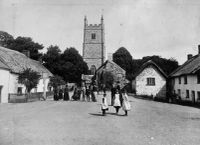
pixel 169 28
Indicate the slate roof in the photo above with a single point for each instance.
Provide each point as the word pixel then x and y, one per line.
pixel 16 62
pixel 148 63
pixel 191 66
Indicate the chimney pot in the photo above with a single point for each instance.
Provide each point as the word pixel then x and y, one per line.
pixel 189 56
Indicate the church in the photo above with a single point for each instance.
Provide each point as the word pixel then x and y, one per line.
pixel 94 44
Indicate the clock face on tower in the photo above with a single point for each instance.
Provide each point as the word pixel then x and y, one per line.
pixel 93 44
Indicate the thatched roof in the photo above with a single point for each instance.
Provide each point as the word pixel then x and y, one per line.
pixel 148 63
pixel 16 62
pixel 191 66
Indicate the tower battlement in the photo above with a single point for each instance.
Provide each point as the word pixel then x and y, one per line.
pixel 93 26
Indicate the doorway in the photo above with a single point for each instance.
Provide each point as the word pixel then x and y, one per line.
pixel 193 97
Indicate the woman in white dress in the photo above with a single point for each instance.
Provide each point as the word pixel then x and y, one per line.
pixel 126 106
pixel 117 104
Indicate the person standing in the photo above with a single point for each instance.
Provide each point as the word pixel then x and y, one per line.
pixel 60 94
pixel 93 97
pixel 104 105
pixel 113 90
pixel 117 103
pixel 66 93
pixel 55 95
pixel 126 106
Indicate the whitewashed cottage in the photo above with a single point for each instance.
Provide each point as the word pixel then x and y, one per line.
pixel 11 64
pixel 185 81
pixel 150 80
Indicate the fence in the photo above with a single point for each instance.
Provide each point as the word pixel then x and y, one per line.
pixel 22 98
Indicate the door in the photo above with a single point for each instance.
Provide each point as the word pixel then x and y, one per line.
pixel 193 96
pixel 0 92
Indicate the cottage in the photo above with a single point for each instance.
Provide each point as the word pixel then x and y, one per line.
pixel 118 73
pixel 11 64
pixel 150 80
pixel 185 81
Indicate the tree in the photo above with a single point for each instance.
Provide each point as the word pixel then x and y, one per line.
pixel 73 65
pixel 56 81
pixel 52 59
pixel 5 39
pixel 123 58
pixel 29 79
pixel 26 43
pixel 107 78
pixel 167 65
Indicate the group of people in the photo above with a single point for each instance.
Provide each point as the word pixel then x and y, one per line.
pixel 60 93
pixel 119 98
pixel 83 93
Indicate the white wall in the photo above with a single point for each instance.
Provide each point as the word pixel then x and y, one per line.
pixel 10 84
pixel 141 83
pixel 191 86
pixel 4 81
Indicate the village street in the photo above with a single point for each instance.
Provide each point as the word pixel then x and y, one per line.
pixel 80 123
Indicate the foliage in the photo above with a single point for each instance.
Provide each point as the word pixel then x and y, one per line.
pixel 167 65
pixel 5 39
pixel 73 65
pixel 56 81
pixel 29 79
pixel 106 78
pixel 52 59
pixel 69 64
pixel 21 44
pixel 123 58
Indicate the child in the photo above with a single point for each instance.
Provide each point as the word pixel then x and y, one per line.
pixel 126 106
pixel 104 105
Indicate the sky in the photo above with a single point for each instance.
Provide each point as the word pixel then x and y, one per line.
pixel 168 28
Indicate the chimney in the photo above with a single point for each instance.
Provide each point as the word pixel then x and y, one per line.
pixel 26 52
pixel 199 49
pixel 189 56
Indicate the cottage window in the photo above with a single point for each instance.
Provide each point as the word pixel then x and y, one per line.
pixel 198 95
pixel 93 36
pixel 179 80
pixel 187 94
pixel 198 78
pixel 151 81
pixel 185 79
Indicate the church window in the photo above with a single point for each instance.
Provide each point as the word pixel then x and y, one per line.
pixel 93 36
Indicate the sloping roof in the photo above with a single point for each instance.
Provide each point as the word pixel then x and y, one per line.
pixel 17 62
pixel 191 66
pixel 148 63
pixel 112 62
pixel 3 66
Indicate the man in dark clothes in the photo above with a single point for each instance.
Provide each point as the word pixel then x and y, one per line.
pixel 60 94
pixel 55 95
pixel 66 93
pixel 113 91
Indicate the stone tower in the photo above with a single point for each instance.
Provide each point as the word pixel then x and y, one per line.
pixel 93 44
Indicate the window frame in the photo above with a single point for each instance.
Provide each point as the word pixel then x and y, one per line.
pixel 179 79
pixel 93 36
pixel 198 95
pixel 151 81
pixel 185 80
pixel 198 78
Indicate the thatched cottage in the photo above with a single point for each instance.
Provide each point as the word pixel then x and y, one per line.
pixel 11 64
pixel 150 80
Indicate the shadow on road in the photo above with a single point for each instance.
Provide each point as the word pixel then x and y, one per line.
pixel 95 114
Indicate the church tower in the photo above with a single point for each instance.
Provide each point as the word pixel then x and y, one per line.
pixel 93 44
